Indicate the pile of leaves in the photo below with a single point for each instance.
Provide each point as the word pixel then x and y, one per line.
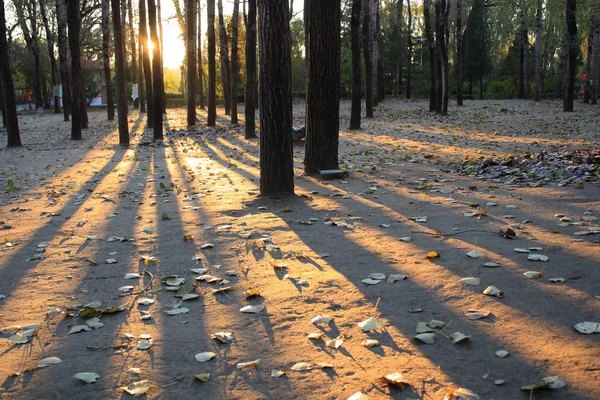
pixel 535 169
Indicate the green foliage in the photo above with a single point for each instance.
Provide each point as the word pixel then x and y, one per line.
pixel 91 83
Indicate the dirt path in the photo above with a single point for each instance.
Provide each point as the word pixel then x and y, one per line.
pixel 72 203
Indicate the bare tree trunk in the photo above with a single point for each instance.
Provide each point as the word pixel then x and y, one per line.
pixel 74 23
pixel 53 67
pixel 399 21
pixel 146 64
pixel 323 86
pixel 276 152
pixel 134 64
pixel 120 73
pixel 588 61
pixel 572 49
pixel 596 63
pixel 367 51
pixel 200 71
pixel 373 38
pixel 212 67
pixel 163 97
pixel 156 72
pixel 106 58
pixel 431 48
pixel 356 70
pixel 538 51
pixel 523 50
pixel 7 89
pixel 380 70
pixel 459 54
pixel 439 43
pixel 250 109
pixel 141 75
pixel 234 61
pixel 190 17
pixel 224 52
pixel 61 16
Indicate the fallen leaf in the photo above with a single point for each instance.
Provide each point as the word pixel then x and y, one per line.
pixel 111 261
pixel 146 301
pixel 369 281
pixel 323 365
pixel 521 250
pixel 45 362
pixel 321 319
pixel 207 246
pixel 491 264
pixel 144 344
pixel 396 277
pixel 476 314
pixel 396 379
pixel 436 324
pixel 223 337
pixel 537 257
pixel 202 377
pixel 173 280
pixel 137 389
pixel 493 291
pixel 315 335
pixel 301 366
pixel 474 254
pixel 471 281
pixel 275 373
pixel 87 377
pixel 377 275
pixel 251 292
pixel 79 328
pixel 532 274
pixel 587 327
pixel 461 394
pixel 501 353
pixel 370 324
pixel 557 280
pixel 458 337
pixel 425 337
pixel 432 254
pixel 243 365
pixel 205 356
pixel 131 276
pixel 406 239
pixel 256 309
pixel 359 396
pixel 177 311
pixel 335 343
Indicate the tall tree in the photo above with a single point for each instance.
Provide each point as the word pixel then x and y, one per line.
pixel 538 50
pixel 431 48
pixel 459 54
pixel 399 26
pixel 200 71
pixel 250 106
pixel 30 34
pixel 156 73
pixel 523 50
pixel 146 64
pixel 572 50
pixel 7 90
pixel 588 61
pixel 190 16
pixel 410 51
pixel 212 67
pixel 596 51
pixel 161 75
pixel 276 152
pixel 141 79
pixel 380 74
pixel 53 68
pixel 224 55
pixel 106 58
pixel 323 85
pixel 234 60
pixel 356 69
pixel 367 51
pixel 74 24
pixel 120 73
pixel 441 57
pixel 61 25
pixel 134 63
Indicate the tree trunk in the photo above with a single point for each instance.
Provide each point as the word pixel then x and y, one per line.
pixel 445 34
pixel 596 63
pixel 323 86
pixel 523 84
pixel 224 53
pixel 106 58
pixel 53 67
pixel 410 52
pixel 399 21
pixel 367 44
pixel 380 69
pixel 141 75
pixel 374 39
pixel 134 64
pixel 212 65
pixel 439 43
pixel 146 64
pixel 2 105
pixel 234 61
pixel 74 24
pixel 199 65
pixel 31 39
pixel 356 70
pixel 459 54
pixel 163 97
pixel 120 72
pixel 61 17
pixel 156 73
pixel 190 19
pixel 431 48
pixel 8 90
pixel 250 109
pixel 572 49
pixel 276 152
pixel 538 51
pixel 588 62
pixel 562 69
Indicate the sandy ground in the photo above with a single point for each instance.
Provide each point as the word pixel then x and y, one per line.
pixel 73 196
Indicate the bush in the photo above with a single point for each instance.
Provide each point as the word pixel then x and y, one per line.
pixel 503 88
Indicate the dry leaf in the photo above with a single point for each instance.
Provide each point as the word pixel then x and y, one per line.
pixel 252 309
pixel 471 281
pixel 587 328
pixel 501 353
pixel 144 344
pixel 378 276
pixel 396 379
pixel 79 328
pixel 476 314
pixel 252 292
pixel 458 337
pixel 315 335
pixel 137 389
pixel 491 264
pixel 370 343
pixel 461 394
pixel 202 377
pixel 301 366
pixel 493 291
pixel 532 274
pixel 432 254
pixel 275 373
pixel 369 281
pixel 243 365
pixel 474 254
pixel 205 356
pixel 425 337
pixel 223 337
pixel 396 277
pixel 45 362
pixel 370 324
pixel 335 343
pixel 321 319
pixel 538 257
pixel 87 377
pixel 359 396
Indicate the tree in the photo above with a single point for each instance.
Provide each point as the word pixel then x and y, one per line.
pixel 53 67
pixel 224 56
pixel 106 59
pixel 367 51
pixel 588 61
pixel 476 45
pixel 61 17
pixel 572 50
pixel 74 24
pixel 276 152
pixel 459 54
pixel 190 16
pixel 30 34
pixel 410 51
pixel 212 67
pixel 7 88
pixel 120 73
pixel 250 109
pixel 146 64
pixel 156 73
pixel 134 64
pixel 431 48
pixel 234 61
pixel 200 71
pixel 538 51
pixel 356 70
pixel 441 56
pixel 323 85
pixel 523 50
pixel 596 51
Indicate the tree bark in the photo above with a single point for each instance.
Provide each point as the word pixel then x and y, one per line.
pixel 323 86
pixel 571 70
pixel 212 67
pixel 250 108
pixel 431 48
pixel 410 52
pixel 53 67
pixel 356 69
pixel 276 152
pixel 588 62
pixel 141 80
pixel 74 24
pixel 7 90
pixel 156 73
pixel 200 71
pixel 61 17
pixel 224 55
pixel 596 63
pixel 538 51
pixel 146 64
pixel 367 45
pixel 234 61
pixel 459 54
pixel 523 82
pixel 120 73
pixel 373 38
pixel 163 97
pixel 399 21
pixel 190 17
pixel 134 64
pixel 380 69
pixel 106 58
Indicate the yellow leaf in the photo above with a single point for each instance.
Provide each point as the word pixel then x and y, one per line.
pixel 432 254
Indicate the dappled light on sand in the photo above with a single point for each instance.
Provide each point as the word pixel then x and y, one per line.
pixel 159 270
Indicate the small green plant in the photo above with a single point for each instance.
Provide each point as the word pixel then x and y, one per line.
pixel 11 187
